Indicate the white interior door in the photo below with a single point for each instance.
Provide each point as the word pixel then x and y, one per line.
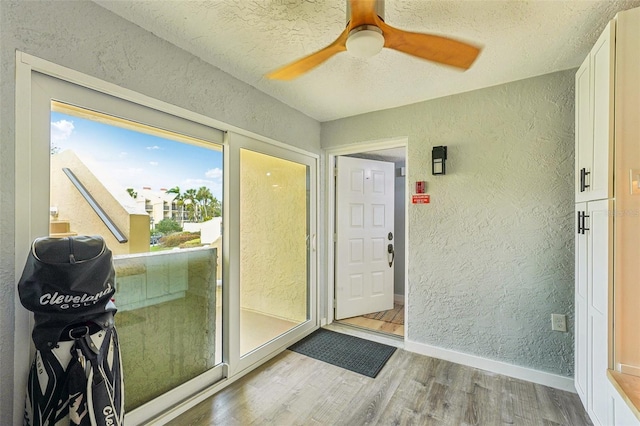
pixel 364 236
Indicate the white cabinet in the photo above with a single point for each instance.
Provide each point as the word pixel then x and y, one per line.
pixel 594 92
pixel 619 412
pixel 595 120
pixel 593 272
pixel 598 223
pixel 581 365
pixel 602 82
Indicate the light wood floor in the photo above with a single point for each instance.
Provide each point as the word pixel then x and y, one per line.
pixel 376 325
pixel 412 389
pixel 384 325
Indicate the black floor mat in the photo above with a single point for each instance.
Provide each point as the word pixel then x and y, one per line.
pixel 349 352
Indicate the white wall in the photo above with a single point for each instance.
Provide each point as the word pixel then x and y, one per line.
pixel 491 258
pixel 85 37
pixel 209 230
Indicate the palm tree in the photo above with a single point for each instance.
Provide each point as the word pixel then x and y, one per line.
pixel 189 198
pixel 200 204
pixel 178 200
pixel 216 207
pixel 174 190
pixel 204 197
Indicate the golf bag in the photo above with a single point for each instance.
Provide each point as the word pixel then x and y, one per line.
pixel 76 376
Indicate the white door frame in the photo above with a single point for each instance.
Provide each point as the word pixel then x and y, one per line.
pixel 331 154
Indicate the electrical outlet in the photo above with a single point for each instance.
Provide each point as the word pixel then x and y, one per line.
pixel 558 322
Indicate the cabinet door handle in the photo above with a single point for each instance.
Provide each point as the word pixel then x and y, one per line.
pixel 583 179
pixel 579 222
pixel 584 222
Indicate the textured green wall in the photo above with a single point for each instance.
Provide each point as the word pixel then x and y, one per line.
pixel 491 258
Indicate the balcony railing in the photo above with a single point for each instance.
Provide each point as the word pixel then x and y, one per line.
pixel 95 206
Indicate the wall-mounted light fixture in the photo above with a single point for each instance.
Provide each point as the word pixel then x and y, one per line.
pixel 438 157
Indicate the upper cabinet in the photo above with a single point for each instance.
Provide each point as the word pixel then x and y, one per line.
pixel 595 88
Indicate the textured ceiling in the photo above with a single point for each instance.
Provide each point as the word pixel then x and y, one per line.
pixel 248 38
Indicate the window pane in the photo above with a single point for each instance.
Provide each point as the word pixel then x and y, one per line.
pixel 274 256
pixel 148 183
pixel 155 197
pixel 168 326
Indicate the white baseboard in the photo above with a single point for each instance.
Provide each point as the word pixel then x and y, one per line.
pixel 515 371
pixel 398 298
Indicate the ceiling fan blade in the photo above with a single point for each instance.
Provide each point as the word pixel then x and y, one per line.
pixel 299 67
pixel 430 47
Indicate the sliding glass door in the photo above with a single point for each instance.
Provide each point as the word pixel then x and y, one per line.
pixel 150 184
pixel 119 179
pixel 274 247
pixel 273 281
pixel 213 233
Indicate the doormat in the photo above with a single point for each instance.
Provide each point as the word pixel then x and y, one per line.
pixel 351 353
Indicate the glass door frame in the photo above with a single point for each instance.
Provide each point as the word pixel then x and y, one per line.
pixel 32 207
pixel 47 88
pixel 231 294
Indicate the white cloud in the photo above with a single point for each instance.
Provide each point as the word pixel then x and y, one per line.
pixel 153 147
pixel 153 163
pixel 214 173
pixel 61 130
pixel 128 172
pixel 123 154
pixel 193 183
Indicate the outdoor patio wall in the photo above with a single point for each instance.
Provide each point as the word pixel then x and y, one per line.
pixel 73 207
pixel 273 281
pixel 491 257
pixel 162 299
pixel 86 37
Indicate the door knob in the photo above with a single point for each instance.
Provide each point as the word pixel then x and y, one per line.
pixel 391 252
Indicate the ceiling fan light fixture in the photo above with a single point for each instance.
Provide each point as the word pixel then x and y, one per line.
pixel 365 41
pixel 367 32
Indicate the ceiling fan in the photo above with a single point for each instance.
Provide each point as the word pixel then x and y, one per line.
pixel 367 33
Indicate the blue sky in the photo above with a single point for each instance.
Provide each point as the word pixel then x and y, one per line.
pixel 133 160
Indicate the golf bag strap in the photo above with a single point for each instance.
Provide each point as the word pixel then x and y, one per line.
pixel 77 387
pixel 92 400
